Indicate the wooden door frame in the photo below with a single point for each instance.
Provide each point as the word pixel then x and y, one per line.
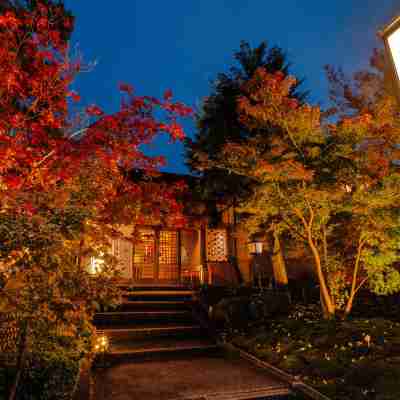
pixel 156 265
pixel 137 278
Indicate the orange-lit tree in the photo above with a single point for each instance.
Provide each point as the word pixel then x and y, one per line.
pixel 320 180
pixel 63 186
pixel 219 123
pixel 368 130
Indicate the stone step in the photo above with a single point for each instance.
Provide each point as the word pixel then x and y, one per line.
pixel 162 352
pixel 153 331
pixel 159 292
pixel 153 321
pixel 164 342
pixel 137 317
pixel 151 287
pixel 151 348
pixel 162 295
pixel 142 305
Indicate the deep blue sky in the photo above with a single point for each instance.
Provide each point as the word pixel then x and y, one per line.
pixel 182 45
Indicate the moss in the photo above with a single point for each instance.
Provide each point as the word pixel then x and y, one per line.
pixel 292 363
pixel 328 369
pixel 388 381
pixel 334 355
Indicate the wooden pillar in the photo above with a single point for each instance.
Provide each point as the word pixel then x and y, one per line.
pixel 203 253
pixel 156 271
pixel 235 249
pixel 179 254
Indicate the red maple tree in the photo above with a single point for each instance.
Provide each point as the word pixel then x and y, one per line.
pixel 63 177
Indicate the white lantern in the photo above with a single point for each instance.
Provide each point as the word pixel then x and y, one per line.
pixel 96 264
pixel 255 247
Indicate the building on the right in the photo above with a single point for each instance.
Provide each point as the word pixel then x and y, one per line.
pixel 391 37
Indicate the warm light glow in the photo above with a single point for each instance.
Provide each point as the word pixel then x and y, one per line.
pixel 217 245
pixel 255 247
pixel 96 264
pixel 348 188
pixel 102 344
pixel 394 46
pixel 201 274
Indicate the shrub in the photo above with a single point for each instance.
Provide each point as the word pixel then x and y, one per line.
pixel 268 304
pixel 49 376
pixel 7 374
pixel 293 363
pixel 231 312
pixel 237 312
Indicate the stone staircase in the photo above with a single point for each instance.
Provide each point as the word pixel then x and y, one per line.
pixel 153 320
pixel 158 350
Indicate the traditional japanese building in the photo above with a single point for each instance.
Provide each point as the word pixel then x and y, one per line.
pixel 211 247
pixel 208 249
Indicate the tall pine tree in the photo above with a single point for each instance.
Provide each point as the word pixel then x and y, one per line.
pixel 218 120
pixel 218 123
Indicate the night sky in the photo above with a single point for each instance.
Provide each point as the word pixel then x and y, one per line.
pixel 182 45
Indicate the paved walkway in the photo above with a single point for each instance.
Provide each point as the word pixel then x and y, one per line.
pixel 160 352
pixel 203 377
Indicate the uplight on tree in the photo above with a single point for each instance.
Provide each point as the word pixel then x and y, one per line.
pixel 391 37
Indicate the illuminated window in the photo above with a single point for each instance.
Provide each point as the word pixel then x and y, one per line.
pixel 217 248
pixel 168 255
pixel 145 247
pixel 168 247
pixel 144 254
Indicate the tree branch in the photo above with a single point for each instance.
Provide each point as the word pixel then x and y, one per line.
pixel 293 228
pixel 361 283
pixel 48 155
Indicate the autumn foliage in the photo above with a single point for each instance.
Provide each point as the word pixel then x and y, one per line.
pixel 65 183
pixel 333 187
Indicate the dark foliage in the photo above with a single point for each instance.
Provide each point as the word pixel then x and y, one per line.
pixel 218 122
pixel 45 377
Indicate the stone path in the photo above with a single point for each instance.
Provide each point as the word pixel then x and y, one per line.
pixel 159 351
pixel 196 378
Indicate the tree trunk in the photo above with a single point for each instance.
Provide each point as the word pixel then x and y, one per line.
pixel 349 306
pixel 278 263
pixel 325 311
pixel 328 307
pixel 353 289
pixel 80 257
pixel 22 349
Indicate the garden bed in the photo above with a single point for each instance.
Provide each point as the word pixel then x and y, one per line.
pixel 354 359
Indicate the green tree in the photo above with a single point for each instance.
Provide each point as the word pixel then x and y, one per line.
pixel 333 187
pixel 218 122
pixel 368 116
